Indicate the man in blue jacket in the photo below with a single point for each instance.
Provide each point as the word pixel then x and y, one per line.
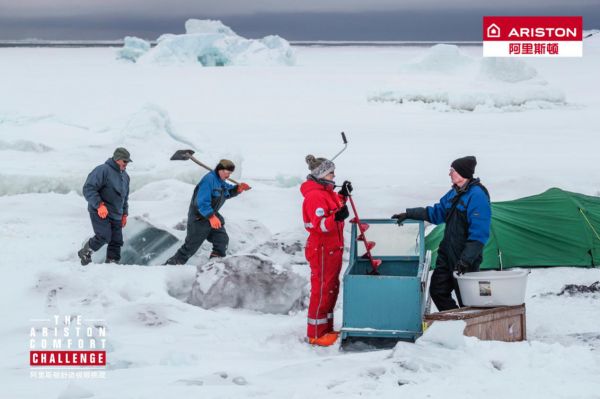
pixel 204 220
pixel 467 213
pixel 106 191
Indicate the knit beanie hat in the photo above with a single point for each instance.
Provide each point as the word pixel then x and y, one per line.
pixel 465 166
pixel 319 167
pixel 225 164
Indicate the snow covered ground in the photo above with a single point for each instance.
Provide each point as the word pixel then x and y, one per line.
pixel 65 110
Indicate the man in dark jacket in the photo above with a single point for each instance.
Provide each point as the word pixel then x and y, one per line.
pixel 204 220
pixel 466 211
pixel 106 191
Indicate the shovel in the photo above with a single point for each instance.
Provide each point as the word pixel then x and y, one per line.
pixel 184 155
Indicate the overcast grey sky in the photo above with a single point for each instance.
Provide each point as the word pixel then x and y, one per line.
pixel 294 20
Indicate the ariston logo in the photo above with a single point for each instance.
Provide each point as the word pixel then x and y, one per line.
pixel 532 36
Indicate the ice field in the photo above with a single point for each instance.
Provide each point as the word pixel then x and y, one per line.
pixel 407 112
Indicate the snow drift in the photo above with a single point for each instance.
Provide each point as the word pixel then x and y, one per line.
pixel 209 43
pixel 448 80
pixel 148 133
pixel 442 58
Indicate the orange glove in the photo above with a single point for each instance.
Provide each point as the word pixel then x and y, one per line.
pixel 214 221
pixel 123 220
pixel 243 187
pixel 102 211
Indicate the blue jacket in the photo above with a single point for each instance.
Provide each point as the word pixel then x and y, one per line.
pixel 474 203
pixel 209 196
pixel 108 184
pixel 467 224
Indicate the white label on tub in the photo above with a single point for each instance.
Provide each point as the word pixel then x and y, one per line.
pixel 485 288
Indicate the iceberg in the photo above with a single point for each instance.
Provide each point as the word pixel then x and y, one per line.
pixel 133 48
pixel 210 43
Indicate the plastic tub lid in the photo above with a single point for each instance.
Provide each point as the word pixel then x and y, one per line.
pixel 492 274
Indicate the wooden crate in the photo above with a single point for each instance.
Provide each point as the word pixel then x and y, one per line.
pixel 506 323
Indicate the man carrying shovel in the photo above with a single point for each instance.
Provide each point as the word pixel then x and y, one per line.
pixel 204 220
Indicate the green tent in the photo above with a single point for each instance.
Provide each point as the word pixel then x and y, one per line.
pixel 555 228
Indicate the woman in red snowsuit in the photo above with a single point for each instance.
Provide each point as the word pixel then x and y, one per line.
pixel 323 211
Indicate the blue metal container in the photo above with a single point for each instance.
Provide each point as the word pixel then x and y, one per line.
pixel 390 304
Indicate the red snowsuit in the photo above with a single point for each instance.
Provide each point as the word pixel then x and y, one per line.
pixel 323 252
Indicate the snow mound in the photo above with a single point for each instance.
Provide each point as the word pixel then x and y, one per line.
pixel 490 364
pixel 445 79
pixel 24 146
pixel 251 282
pixel 462 99
pixel 148 133
pixel 440 58
pixel 149 123
pixel 211 43
pixel 133 48
pixel 507 69
pixel 448 334
pixel 285 249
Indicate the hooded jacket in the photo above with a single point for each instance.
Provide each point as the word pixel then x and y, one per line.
pixel 108 184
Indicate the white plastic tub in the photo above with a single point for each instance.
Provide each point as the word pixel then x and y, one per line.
pixel 493 288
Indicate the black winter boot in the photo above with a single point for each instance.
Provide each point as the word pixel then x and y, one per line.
pixel 85 254
pixel 173 261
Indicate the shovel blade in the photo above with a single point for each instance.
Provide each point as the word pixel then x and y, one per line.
pixel 182 155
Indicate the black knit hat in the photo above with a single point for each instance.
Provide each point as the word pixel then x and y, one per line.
pixel 465 166
pixel 225 164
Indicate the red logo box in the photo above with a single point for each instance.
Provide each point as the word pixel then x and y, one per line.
pixel 533 36
pixel 67 358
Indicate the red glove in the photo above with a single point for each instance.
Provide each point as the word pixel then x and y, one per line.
pixel 123 220
pixel 243 187
pixel 102 211
pixel 214 221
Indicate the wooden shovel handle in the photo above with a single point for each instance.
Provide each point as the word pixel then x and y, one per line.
pixel 207 168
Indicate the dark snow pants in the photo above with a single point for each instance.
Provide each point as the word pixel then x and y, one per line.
pixel 440 289
pixel 199 230
pixel 107 231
